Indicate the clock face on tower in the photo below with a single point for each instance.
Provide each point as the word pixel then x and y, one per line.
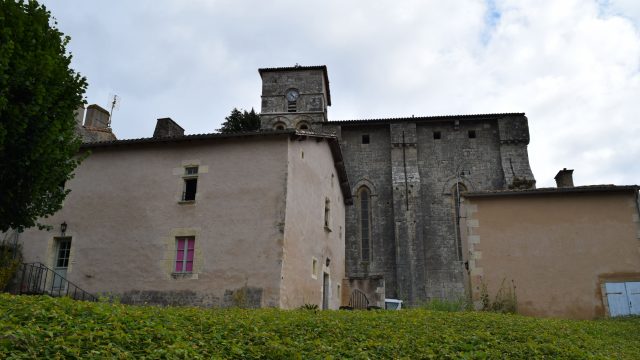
pixel 292 95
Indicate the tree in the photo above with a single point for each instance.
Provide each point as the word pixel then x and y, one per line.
pixel 39 93
pixel 240 121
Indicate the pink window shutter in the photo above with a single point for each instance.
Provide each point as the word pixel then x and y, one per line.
pixel 180 255
pixel 190 253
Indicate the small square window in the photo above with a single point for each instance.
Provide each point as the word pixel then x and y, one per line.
pixel 365 139
pixel 437 135
pixel 185 248
pixel 472 134
pixel 191 170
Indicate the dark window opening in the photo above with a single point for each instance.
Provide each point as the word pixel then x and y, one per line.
pixel 472 134
pixel 327 212
pixel 437 135
pixel 455 191
pixel 365 221
pixel 291 106
pixel 190 186
pixel 365 139
pixel 191 170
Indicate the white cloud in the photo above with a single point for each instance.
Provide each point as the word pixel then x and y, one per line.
pixel 571 65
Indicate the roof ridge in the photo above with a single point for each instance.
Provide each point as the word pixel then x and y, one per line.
pixel 429 117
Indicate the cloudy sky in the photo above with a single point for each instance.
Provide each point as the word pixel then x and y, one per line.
pixel 573 66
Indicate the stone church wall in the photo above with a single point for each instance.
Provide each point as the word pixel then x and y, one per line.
pixel 411 168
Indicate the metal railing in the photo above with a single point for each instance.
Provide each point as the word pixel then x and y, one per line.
pixel 38 279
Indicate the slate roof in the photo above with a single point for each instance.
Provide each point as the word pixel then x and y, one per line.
pixel 435 118
pixel 553 190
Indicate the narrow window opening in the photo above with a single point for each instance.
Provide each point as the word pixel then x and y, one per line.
pixel 365 223
pixel 190 183
pixel 437 135
pixel 457 189
pixel 314 268
pixel 327 213
pixel 185 248
pixel 472 134
pixel 365 139
pixel 292 106
pixel 190 187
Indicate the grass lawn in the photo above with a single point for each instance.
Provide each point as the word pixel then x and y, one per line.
pixel 49 328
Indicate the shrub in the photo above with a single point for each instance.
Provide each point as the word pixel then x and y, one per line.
pixel 460 304
pixel 10 260
pixel 58 328
pixel 313 307
pixel 505 301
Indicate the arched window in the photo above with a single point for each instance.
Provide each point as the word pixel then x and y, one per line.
pixel 455 194
pixel 279 126
pixel 303 125
pixel 364 196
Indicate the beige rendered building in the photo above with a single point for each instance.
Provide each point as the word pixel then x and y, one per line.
pixel 571 252
pixel 253 219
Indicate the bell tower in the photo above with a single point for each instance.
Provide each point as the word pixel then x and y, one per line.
pixel 294 97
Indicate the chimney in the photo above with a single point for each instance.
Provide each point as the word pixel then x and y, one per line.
pixel 79 115
pixel 564 178
pixel 165 127
pixel 97 117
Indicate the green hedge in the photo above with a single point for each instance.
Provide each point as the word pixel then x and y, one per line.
pixel 43 327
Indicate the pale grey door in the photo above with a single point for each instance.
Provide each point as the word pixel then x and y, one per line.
pixel 623 298
pixel 633 293
pixel 61 264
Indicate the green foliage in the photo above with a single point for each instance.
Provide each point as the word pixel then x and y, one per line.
pixel 49 328
pixel 460 304
pixel 241 121
pixel 505 301
pixel 239 298
pixel 10 260
pixel 521 183
pixel 313 307
pixel 38 96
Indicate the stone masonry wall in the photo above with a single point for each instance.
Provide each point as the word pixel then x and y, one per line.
pixel 414 233
pixel 367 165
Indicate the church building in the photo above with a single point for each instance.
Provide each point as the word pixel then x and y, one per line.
pixel 306 210
pixel 406 175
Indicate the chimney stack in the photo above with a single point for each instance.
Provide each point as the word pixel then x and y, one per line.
pixel 165 127
pixel 97 117
pixel 564 178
